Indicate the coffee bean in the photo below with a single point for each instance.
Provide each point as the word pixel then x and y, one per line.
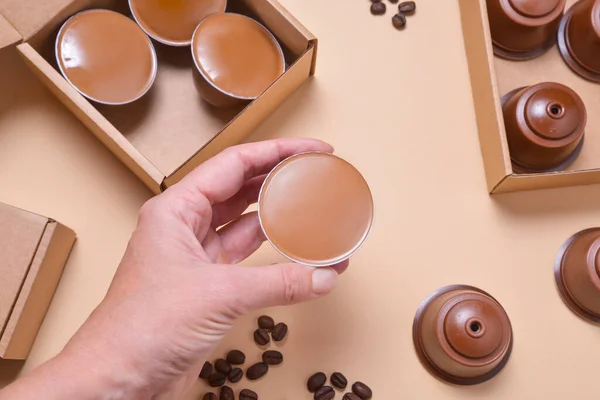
pixel 407 7
pixel 279 332
pixel 236 357
pixel 226 393
pixel 209 396
pixel 222 366
pixel 235 375
pixel 316 381
pixel 338 380
pixel 216 379
pixel 375 1
pixel 248 394
pixel 266 322
pixel 399 21
pixel 272 357
pixel 350 396
pixel 261 337
pixel 325 393
pixel 378 8
pixel 257 371
pixel 394 1
pixel 207 369
pixel 362 391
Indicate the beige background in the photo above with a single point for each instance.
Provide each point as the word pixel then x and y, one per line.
pixel 398 106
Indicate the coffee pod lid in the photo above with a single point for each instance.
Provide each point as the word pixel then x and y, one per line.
pixel 462 335
pixel 534 8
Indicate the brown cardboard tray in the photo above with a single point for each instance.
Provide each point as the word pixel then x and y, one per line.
pixel 171 130
pixel 33 253
pixel 492 77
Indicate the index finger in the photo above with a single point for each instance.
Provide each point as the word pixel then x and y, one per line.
pixel 222 176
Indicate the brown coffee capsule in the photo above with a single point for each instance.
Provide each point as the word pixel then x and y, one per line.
pixel 462 335
pixel 236 59
pixel 173 22
pixel 315 209
pixel 579 39
pixel 524 29
pixel 577 274
pixel 544 127
pixel 106 57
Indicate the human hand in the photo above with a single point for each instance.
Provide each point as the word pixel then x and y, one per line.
pixel 177 291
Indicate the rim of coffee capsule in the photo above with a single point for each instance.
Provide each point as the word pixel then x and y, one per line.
pixel 526 55
pixel 521 169
pixel 160 39
pixel 432 368
pixel 562 289
pixel 563 48
pixel 210 82
pixel 338 259
pixel 87 96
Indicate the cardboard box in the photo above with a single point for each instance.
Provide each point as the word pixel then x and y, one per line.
pixel 33 253
pixel 170 131
pixel 492 77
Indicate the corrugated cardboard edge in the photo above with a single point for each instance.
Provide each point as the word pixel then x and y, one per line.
pixel 8 34
pixel 246 122
pixel 486 96
pixel 37 291
pixel 521 182
pixel 92 119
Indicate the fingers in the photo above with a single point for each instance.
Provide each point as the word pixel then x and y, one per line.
pixel 242 237
pixel 221 177
pixel 234 207
pixel 282 284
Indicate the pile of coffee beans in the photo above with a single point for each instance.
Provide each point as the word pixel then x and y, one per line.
pixel 317 384
pixel 405 8
pixel 228 368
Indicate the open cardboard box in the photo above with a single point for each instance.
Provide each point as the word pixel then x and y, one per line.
pixel 33 253
pixel 171 130
pixel 492 77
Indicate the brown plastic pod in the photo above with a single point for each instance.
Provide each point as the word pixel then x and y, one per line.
pixel 577 274
pixel 462 335
pixel 544 126
pixel 236 59
pixel 524 29
pixel 579 39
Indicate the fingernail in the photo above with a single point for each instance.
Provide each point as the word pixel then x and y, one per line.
pixel 323 280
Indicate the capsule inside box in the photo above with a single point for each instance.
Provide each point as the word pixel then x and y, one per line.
pixel 170 130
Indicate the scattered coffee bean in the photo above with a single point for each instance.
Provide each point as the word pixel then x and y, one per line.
pixel 362 391
pixel 375 1
pixel 209 396
pixel 266 322
pixel 272 357
pixel 235 375
pixel 394 1
pixel 325 393
pixel 399 21
pixel 257 371
pixel 248 394
pixel 378 8
pixel 261 337
pixel 236 357
pixel 222 366
pixel 350 396
pixel 216 379
pixel 316 381
pixel 226 393
pixel 339 380
pixel 279 332
pixel 407 7
pixel 207 369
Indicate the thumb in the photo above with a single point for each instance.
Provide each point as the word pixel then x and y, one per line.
pixel 283 284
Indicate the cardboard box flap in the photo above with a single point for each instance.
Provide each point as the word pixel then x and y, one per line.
pixel 8 34
pixel 20 234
